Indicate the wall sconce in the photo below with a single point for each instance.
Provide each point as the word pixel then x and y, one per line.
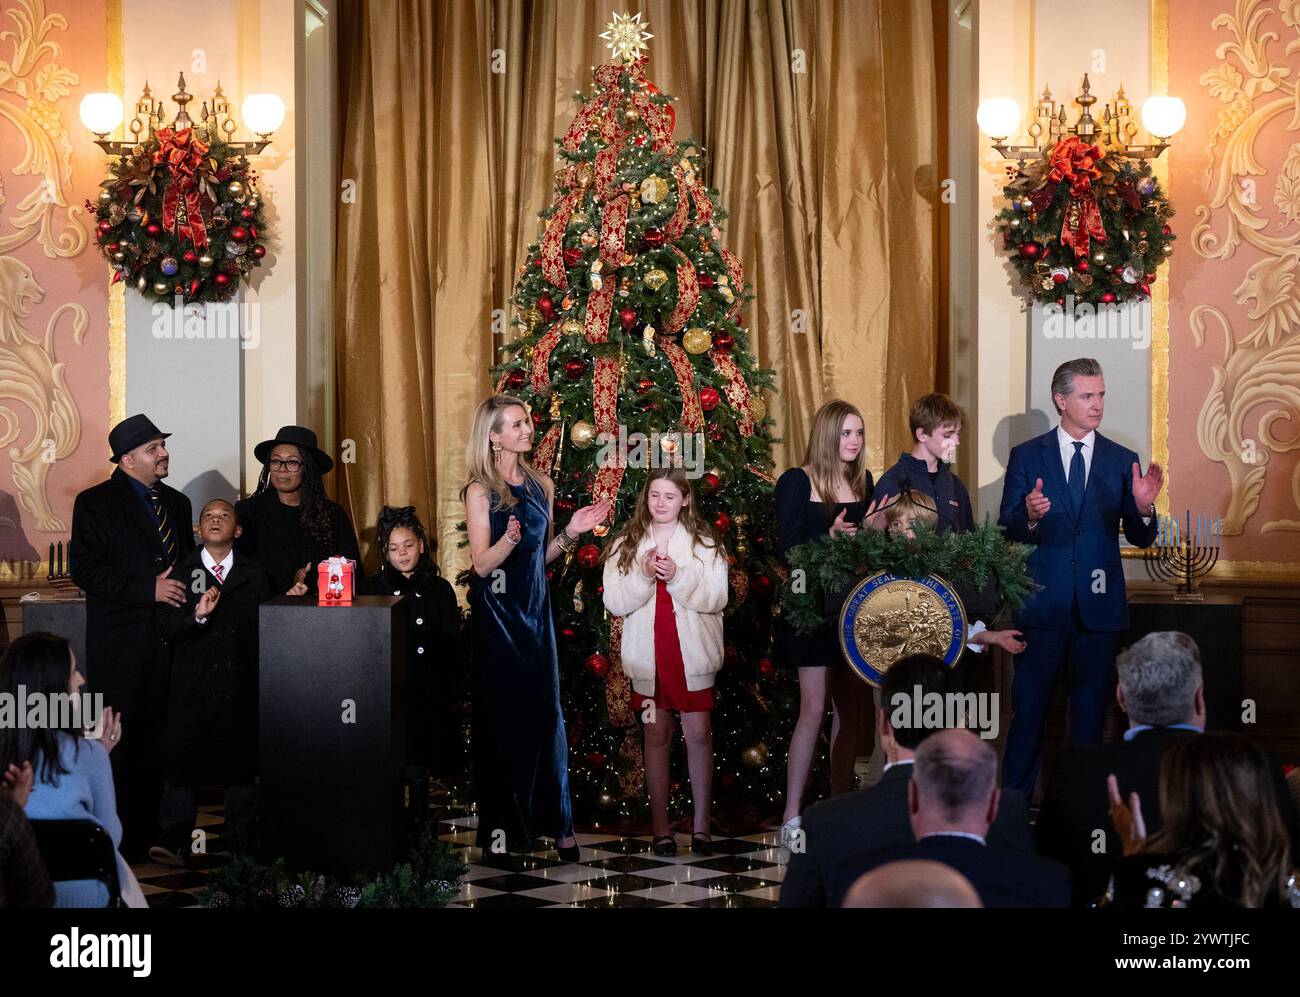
pixel 1163 117
pixel 101 113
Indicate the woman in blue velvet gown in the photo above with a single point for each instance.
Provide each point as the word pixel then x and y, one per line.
pixel 520 748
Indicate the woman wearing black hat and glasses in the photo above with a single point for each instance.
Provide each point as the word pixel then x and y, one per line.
pixel 289 524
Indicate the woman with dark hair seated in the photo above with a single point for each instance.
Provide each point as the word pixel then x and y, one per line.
pixel 289 523
pixel 1223 843
pixel 73 780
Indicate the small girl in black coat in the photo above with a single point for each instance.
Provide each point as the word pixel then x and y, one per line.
pixel 433 643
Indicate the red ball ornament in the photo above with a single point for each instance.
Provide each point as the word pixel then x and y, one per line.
pixel 189 256
pixel 766 668
pixel 572 256
pixel 627 316
pixel 644 385
pixel 588 555
pixel 713 431
pixel 1060 301
pixel 238 233
pixel 706 281
pixel 259 250
pixel 516 379
pixel 546 306
pixel 722 523
pixel 113 247
pixel 246 214
pixel 574 369
pixel 598 665
pixel 1108 298
pixel 654 237
pixel 105 226
pixel 1031 250
pixel 1082 266
pixel 709 399
pixel 710 482
pixel 1167 230
pixel 1059 277
pixel 760 585
pixel 724 341
pixel 221 279
pixel 153 230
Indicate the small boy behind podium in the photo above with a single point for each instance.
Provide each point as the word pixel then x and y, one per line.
pixel 211 733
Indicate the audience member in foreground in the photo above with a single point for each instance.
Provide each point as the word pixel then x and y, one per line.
pixel 1223 844
pixel 953 800
pixel 877 816
pixel 73 778
pixel 1161 691
pixel 913 883
pixel 23 879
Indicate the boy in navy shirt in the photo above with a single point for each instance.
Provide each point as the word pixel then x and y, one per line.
pixel 936 422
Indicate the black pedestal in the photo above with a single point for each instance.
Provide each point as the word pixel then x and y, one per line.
pixel 64 617
pixel 1215 625
pixel 332 684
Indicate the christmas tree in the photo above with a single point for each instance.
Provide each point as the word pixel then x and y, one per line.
pixel 630 354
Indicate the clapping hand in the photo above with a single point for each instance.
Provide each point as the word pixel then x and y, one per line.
pixel 297 588
pixel 665 568
pixel 1147 486
pixel 208 602
pixel 18 782
pixel 301 574
pixel 110 729
pixel 840 526
pixel 649 562
pixel 588 516
pixel 1129 825
pixel 1036 503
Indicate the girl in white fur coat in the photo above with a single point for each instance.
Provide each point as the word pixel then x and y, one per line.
pixel 666 575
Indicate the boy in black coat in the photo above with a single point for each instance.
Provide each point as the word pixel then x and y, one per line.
pixel 211 735
pixel 936 422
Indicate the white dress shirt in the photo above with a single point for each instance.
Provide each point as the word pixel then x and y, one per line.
pixel 955 834
pixel 1066 442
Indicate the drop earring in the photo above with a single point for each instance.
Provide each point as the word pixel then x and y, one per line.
pixel 496 447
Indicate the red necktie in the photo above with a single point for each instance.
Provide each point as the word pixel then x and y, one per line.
pixel 218 570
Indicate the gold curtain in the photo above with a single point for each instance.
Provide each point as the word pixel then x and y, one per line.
pixel 819 118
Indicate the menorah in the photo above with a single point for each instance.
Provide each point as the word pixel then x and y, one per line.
pixel 1182 556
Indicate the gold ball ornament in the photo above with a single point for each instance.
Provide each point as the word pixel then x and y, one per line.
pixel 656 279
pixel 205 261
pixel 757 408
pixel 1167 249
pixel 653 190
pixel 571 328
pixel 1026 204
pixel 105 196
pixel 236 191
pixel 161 287
pixel 253 203
pixel 582 434
pixel 697 341
pixel 632 114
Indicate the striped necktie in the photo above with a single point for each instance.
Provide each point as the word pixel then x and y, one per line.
pixel 165 533
pixel 219 571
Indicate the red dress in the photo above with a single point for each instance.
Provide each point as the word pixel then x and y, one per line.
pixel 670 673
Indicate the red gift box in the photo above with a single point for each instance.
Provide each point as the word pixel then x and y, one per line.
pixel 334 581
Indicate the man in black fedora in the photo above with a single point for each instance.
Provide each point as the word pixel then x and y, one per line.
pixel 127 535
pixel 289 524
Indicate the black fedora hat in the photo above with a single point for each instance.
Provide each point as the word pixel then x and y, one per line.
pixel 302 438
pixel 131 432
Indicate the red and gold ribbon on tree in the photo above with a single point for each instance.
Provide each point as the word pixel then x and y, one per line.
pixel 737 273
pixel 1076 161
pixel 676 225
pixel 736 390
pixel 618 690
pixel 544 453
pixel 603 108
pixel 688 292
pixel 183 153
pixel 541 375
pixel 604 390
pixel 551 251
pixel 692 412
pixel 613 232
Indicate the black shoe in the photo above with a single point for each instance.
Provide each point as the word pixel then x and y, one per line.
pixel 664 846
pixel 701 844
pixel 570 853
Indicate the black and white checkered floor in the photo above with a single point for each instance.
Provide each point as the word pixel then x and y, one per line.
pixel 613 870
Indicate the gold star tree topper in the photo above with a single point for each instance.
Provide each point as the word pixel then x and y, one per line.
pixel 627 36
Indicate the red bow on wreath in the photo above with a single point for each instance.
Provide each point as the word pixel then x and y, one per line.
pixel 183 153
pixel 1076 161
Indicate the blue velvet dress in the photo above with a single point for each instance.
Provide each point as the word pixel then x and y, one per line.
pixel 521 756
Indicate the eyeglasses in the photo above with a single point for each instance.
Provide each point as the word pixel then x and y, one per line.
pixel 292 464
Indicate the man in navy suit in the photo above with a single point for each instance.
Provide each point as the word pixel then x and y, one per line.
pixel 952 800
pixel 1067 493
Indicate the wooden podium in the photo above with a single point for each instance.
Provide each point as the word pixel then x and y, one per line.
pixel 332 681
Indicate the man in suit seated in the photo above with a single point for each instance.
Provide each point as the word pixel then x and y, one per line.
pixel 1161 690
pixel 952 799
pixel 877 816
pixel 913 884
